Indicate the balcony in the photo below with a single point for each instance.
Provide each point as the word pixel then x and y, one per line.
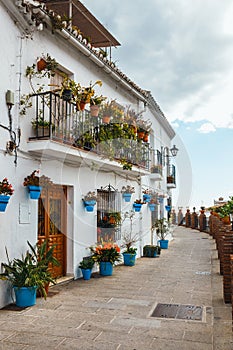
pixel 156 167
pixel 66 133
pixel 171 177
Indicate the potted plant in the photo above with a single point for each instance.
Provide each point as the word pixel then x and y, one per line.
pixel 32 183
pixel 41 126
pixel 151 251
pixel 147 195
pixel 152 205
pixel 106 255
pixel 108 111
pixel 89 201
pixel 127 192
pixel 162 230
pixel 68 87
pixel 46 260
pixel 6 190
pixel 85 94
pixel 130 252
pixel 86 266
pixel 137 205
pixel 27 274
pixel 95 102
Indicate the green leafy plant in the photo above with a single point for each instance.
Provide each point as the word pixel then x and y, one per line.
pixel 162 228
pixel 32 269
pixel 87 263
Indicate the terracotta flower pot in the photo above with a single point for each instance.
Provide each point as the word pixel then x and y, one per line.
pixel 106 119
pixel 94 110
pixel 41 65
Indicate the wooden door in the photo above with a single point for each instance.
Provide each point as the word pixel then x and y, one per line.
pixel 52 223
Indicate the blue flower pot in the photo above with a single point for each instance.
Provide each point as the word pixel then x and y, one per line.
pixel 146 198
pixel 3 202
pixel 127 196
pixel 152 207
pixel 106 268
pixel 129 259
pixel 86 274
pixel 137 207
pixel 163 243
pixel 168 207
pixel 89 205
pixel 25 296
pixel 34 191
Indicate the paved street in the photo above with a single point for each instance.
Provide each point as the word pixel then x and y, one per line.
pixel 114 313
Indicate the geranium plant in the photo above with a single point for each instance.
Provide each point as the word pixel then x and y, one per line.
pixel 90 196
pixel 6 188
pixel 106 252
pixel 128 189
pixel 32 180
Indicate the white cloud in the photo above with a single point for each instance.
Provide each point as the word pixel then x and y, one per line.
pixel 180 50
pixel 206 128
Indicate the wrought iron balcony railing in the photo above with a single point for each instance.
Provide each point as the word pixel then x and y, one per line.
pixel 60 120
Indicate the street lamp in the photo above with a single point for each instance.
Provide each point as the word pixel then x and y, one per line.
pixel 174 150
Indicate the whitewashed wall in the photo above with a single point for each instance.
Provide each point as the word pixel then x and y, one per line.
pixel 19 223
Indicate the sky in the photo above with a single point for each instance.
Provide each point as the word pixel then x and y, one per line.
pixel 181 50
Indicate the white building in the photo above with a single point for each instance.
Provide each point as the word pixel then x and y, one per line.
pixel 29 30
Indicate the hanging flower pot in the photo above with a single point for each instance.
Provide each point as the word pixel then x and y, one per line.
pixel 34 191
pixel 151 206
pixel 127 196
pixel 146 198
pixel 106 119
pixel 6 191
pixel 89 205
pixel 168 207
pixel 80 105
pixel 41 64
pixel 3 202
pixel 137 207
pixel 94 110
pixel 146 137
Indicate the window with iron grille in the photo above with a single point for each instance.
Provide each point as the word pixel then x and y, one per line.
pixel 108 215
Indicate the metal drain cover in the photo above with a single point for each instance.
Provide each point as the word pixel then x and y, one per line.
pixel 178 311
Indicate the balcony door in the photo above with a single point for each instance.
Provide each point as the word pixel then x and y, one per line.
pixel 52 220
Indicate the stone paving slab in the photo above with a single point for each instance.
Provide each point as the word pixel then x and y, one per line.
pixel 114 313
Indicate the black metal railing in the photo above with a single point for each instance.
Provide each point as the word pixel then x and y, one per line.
pixel 61 121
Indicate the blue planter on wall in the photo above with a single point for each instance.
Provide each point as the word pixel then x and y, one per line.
pixel 86 274
pixel 146 198
pixel 89 205
pixel 163 243
pixel 137 207
pixel 3 202
pixel 129 259
pixel 34 191
pixel 106 268
pixel 127 196
pixel 152 207
pixel 25 296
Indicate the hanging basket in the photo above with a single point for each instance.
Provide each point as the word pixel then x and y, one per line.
pixel 151 207
pixel 146 198
pixel 34 191
pixel 127 197
pixel 94 110
pixel 3 202
pixel 137 207
pixel 89 205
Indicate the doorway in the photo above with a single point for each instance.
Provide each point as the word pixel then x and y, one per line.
pixel 52 223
